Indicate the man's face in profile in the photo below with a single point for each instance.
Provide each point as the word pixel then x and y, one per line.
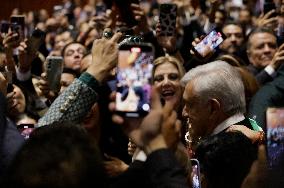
pixel 196 111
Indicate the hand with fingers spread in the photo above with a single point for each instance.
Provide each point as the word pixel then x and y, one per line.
pixel 265 20
pixel 105 56
pixel 114 166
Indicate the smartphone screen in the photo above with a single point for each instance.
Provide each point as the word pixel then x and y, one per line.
pixel 25 129
pixel 133 86
pixel 209 43
pixel 167 18
pixel 195 173
pixel 275 136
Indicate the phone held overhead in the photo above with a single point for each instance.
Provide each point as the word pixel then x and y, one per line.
pixel 209 43
pixel 54 68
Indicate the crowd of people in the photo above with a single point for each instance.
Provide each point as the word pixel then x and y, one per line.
pixel 211 108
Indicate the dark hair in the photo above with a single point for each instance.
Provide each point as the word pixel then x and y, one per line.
pixel 230 22
pixel 256 31
pixel 67 45
pixel 71 71
pixel 225 159
pixel 57 155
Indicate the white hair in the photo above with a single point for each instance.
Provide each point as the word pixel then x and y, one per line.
pixel 221 81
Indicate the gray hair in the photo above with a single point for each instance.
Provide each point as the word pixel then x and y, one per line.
pixel 221 81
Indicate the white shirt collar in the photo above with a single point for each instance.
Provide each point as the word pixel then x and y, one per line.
pixel 228 122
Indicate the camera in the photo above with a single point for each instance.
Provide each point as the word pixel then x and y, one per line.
pixel 131 39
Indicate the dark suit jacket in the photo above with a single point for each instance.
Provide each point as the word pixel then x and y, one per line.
pixel 270 95
pixel 261 76
pixel 160 170
pixel 10 139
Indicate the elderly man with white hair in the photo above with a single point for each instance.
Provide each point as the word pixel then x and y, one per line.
pixel 215 101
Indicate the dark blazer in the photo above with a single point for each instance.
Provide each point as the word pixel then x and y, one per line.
pixel 10 139
pixel 261 75
pixel 160 170
pixel 270 95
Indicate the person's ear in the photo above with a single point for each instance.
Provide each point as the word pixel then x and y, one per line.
pixel 214 106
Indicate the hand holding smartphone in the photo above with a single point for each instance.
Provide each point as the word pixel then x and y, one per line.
pixel 133 77
pixel 54 68
pixel 35 41
pixel 209 43
pixel 167 19
pixel 18 25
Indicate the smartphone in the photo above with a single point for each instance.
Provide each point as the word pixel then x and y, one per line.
pixel 209 44
pixel 18 25
pixel 100 9
pixel 35 41
pixel 54 68
pixel 5 27
pixel 275 136
pixel 167 19
pixel 26 129
pixel 133 79
pixel 195 173
pixel 125 11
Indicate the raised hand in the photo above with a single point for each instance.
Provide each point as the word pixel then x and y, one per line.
pixel 141 18
pixel 265 20
pixel 105 56
pixel 278 58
